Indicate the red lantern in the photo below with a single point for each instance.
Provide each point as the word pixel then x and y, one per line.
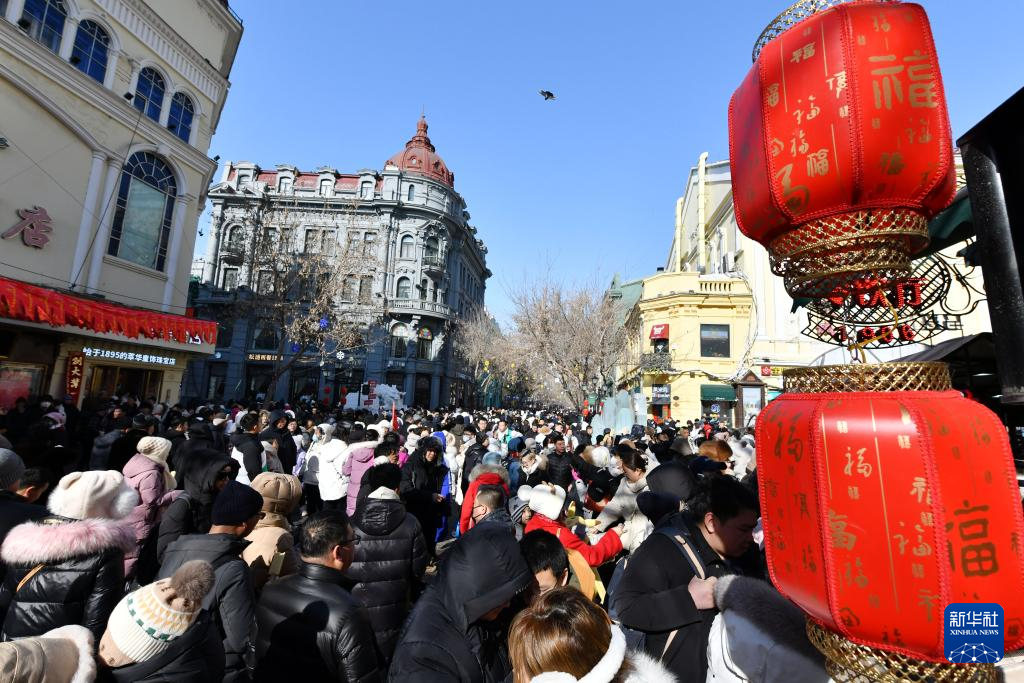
pixel 840 144
pixel 881 507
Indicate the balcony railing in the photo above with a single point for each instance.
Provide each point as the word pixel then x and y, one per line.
pixel 656 363
pixel 434 262
pixel 418 305
pixel 233 253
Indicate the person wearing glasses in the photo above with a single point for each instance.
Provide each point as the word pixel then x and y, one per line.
pixel 308 622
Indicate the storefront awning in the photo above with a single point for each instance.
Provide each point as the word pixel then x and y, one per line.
pixel 717 392
pixel 33 304
pixel 659 331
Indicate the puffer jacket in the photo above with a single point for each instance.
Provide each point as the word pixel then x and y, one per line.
pixel 273 533
pixel 481 475
pixel 80 577
pixel 420 481
pixel 307 624
pixel 147 478
pixel 190 513
pixel 444 639
pixel 355 467
pixel 389 563
pixel 197 656
pixel 247 451
pixel 286 449
pixel 605 549
pixel 326 456
pixel 623 506
pixel 199 437
pixel 559 470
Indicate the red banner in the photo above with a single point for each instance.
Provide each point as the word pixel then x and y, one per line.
pixel 74 376
pixel 21 301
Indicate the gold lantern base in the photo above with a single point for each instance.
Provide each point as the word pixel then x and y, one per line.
pixel 848 662
pixel 831 252
pixel 922 376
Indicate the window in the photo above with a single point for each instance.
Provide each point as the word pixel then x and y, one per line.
pixel 235 238
pixel 312 241
pixel 399 341
pixel 366 189
pixel 325 186
pixel 230 279
pixel 404 288
pixel 269 240
pixel 225 333
pixel 405 251
pixel 142 216
pixel 714 341
pixel 368 243
pixel 265 282
pixel 424 344
pixel 284 185
pixel 352 249
pixel 90 51
pixel 45 19
pixel 287 239
pixel 149 97
pixel 412 193
pixel 430 249
pixel 350 289
pixel 265 336
pixel 243 179
pixel 423 289
pixel 179 121
pixel 366 289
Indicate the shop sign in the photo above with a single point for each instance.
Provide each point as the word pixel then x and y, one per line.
pixel 659 331
pixel 772 370
pixel 263 357
pixel 33 227
pixel 73 381
pixel 661 394
pixel 107 354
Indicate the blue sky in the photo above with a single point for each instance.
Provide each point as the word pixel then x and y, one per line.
pixel 584 185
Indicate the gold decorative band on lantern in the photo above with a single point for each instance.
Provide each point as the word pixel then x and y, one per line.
pixel 831 252
pixel 848 662
pixel 924 376
pixel 792 16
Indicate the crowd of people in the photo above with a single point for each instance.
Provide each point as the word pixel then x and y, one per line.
pixel 142 542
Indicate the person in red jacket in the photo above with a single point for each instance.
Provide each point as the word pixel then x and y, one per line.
pixel 484 474
pixel 547 503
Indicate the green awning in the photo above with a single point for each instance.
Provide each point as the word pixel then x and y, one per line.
pixel 717 392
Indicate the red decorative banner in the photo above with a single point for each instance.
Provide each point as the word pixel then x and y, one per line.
pixel 21 301
pixel 75 376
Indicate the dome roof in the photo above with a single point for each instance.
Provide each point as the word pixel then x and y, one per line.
pixel 419 156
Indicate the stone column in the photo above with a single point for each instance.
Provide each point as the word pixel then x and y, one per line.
pixel 67 39
pixel 181 204
pixel 99 245
pixel 14 10
pixel 89 217
pixel 435 391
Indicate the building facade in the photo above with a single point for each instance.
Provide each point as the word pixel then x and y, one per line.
pixel 429 268
pixel 107 110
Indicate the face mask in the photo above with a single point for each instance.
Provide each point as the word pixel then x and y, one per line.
pixel 615 468
pixel 316 437
pixel 44 404
pixel 530 469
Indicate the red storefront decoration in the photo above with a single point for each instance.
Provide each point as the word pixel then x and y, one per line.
pixel 74 376
pixel 21 301
pixel 659 331
pixel 840 144
pixel 881 507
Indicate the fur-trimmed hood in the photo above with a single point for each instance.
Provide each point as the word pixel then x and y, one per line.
pixel 56 539
pixel 644 668
pixel 492 469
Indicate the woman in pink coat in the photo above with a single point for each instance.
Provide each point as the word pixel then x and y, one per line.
pixel 359 463
pixel 148 475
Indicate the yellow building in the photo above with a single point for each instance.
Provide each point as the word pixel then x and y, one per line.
pixel 107 109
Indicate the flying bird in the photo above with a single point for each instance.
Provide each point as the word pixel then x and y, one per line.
pixel 547 94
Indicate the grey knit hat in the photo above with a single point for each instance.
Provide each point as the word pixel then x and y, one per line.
pixel 11 468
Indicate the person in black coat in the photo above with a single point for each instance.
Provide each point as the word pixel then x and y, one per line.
pixel 663 596
pixel 69 567
pixel 308 624
pixel 390 558
pixel 422 482
pixel 287 452
pixel 454 632
pixel 199 437
pixel 125 448
pixel 474 456
pixel 191 513
pixel 99 459
pixel 247 448
pixel 13 508
pixel 559 470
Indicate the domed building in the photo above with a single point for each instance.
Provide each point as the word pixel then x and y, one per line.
pixel 429 268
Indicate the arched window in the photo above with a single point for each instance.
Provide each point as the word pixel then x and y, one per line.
pixel 399 341
pixel 142 217
pixel 179 121
pixel 412 193
pixel 404 288
pixel 366 190
pixel 423 289
pixel 235 237
pixel 149 93
pixel 325 186
pixel 424 344
pixel 43 20
pixel 284 185
pixel 430 249
pixel 405 250
pixel 90 51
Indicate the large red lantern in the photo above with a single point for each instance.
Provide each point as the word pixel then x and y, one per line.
pixel 840 143
pixel 880 507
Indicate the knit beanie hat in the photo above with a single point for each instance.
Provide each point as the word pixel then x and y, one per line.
pixel 281 492
pixel 236 504
pixel 155 448
pixel 12 468
pixel 96 494
pixel 544 499
pixel 147 621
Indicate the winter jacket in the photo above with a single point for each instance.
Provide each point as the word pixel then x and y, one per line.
pixel 273 533
pixel 197 656
pixel 286 450
pixel 758 635
pixel 190 513
pixel 643 668
pixel 608 547
pixel 324 457
pixel 444 639
pixel 474 456
pixel 146 477
pixel 420 481
pixel 247 451
pixel 63 655
pixel 101 445
pixel 125 448
pixel 80 577
pixel 341 461
pixel 355 467
pixel 654 597
pixel 623 506
pixel 481 475
pixel 311 627
pixel 499 518
pixel 232 599
pixel 559 470
pixel 388 565
pixel 200 438
pixel 13 511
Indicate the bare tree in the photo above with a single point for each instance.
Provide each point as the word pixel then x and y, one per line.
pixel 574 334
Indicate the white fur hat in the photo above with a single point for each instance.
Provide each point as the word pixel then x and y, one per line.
pixel 544 499
pixel 92 495
pixel 600 456
pixel 383 427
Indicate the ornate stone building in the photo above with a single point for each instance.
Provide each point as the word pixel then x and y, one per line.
pixel 429 269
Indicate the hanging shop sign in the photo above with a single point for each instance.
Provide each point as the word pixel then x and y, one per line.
pixel 130 356
pixel 73 380
pixel 34 227
pixel 659 331
pixel 877 311
pixel 661 394
pixel 263 357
